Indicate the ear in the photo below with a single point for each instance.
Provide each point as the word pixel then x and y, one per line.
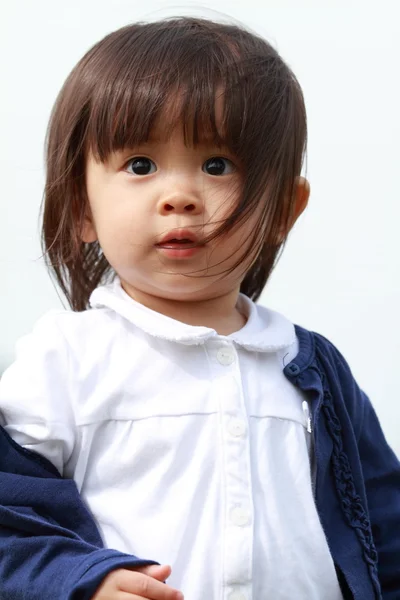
pixel 302 197
pixel 302 194
pixel 88 231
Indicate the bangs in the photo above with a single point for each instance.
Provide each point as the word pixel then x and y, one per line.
pixel 153 84
pixel 156 77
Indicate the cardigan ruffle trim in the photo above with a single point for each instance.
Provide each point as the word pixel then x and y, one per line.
pixel 351 502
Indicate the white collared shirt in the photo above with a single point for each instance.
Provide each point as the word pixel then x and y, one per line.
pixel 189 447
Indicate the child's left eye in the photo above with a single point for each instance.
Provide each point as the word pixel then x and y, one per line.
pixel 142 166
pixel 217 165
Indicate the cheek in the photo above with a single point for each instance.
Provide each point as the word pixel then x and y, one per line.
pixel 117 218
pixel 117 235
pixel 222 198
pixel 237 245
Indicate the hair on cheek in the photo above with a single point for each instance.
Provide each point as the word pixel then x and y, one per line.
pixel 219 83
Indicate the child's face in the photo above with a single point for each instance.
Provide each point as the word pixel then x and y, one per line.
pixel 142 199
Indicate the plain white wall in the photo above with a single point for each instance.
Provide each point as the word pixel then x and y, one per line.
pixel 340 272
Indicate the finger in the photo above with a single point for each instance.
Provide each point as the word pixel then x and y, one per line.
pixel 160 572
pixel 127 596
pixel 147 587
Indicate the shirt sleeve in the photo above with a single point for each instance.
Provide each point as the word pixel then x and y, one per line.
pixel 50 546
pixel 36 394
pixel 49 543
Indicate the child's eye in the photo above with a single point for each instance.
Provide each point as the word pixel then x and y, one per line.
pixel 218 166
pixel 142 166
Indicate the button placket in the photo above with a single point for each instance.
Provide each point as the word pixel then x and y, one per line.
pixel 238 536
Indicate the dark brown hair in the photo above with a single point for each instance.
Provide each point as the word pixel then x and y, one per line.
pixel 123 85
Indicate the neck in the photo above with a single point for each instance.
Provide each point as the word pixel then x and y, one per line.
pixel 218 313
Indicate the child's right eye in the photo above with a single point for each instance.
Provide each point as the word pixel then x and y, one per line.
pixel 141 166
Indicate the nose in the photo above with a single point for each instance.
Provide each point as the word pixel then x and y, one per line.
pixel 180 203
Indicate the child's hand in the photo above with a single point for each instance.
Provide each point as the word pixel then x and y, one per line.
pixel 145 583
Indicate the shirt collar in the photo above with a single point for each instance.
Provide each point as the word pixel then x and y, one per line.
pixel 265 329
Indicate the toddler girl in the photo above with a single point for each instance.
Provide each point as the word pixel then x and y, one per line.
pixel 168 428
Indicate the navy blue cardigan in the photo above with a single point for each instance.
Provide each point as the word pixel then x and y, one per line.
pixel 51 548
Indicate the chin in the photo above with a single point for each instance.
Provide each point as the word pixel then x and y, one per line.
pixel 203 290
pixel 181 288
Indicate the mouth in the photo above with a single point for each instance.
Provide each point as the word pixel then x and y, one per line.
pixel 179 238
pixel 179 243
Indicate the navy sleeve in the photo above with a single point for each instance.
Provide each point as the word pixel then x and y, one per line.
pixel 381 470
pixel 50 547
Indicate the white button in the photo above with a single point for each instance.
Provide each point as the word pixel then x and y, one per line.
pixel 240 516
pixel 237 596
pixel 237 428
pixel 225 356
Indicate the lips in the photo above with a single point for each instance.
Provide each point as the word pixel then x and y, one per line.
pixel 179 238
pixel 180 244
